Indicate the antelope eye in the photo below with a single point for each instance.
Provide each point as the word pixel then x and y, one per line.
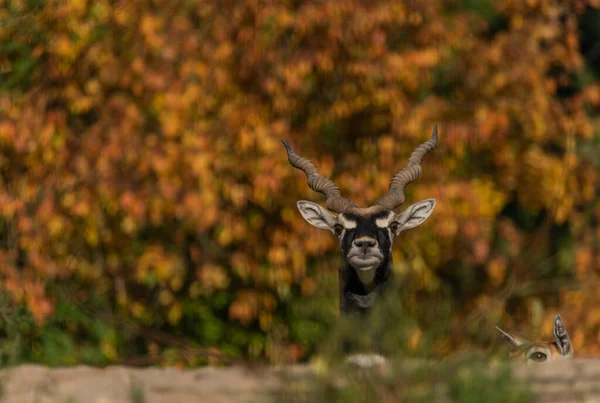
pixel 337 230
pixel 394 227
pixel 538 357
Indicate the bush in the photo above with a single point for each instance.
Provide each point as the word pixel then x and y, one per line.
pixel 141 169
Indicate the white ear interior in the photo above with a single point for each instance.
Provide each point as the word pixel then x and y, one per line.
pixel 316 215
pixel 415 215
pixel 562 337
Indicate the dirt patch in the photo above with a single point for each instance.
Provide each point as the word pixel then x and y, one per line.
pixel 82 384
pixel 570 380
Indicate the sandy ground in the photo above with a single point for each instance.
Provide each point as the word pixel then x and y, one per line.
pixel 576 380
pixel 82 384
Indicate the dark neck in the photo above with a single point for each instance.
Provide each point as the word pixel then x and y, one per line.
pixel 358 297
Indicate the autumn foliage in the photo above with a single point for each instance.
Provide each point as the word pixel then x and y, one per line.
pixel 142 176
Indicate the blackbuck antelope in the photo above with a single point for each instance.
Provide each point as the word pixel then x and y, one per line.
pixel 541 351
pixel 365 234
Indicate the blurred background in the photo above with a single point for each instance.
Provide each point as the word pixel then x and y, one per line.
pixel 148 211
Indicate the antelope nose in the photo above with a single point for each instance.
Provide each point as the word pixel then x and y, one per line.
pixel 365 242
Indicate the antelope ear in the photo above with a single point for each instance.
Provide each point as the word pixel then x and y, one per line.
pixel 414 215
pixel 514 341
pixel 316 215
pixel 562 337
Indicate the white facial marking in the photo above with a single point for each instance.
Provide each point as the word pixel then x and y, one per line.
pixel 347 224
pixel 385 221
pixel 364 238
pixel 365 256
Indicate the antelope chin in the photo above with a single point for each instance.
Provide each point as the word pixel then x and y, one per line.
pixel 366 267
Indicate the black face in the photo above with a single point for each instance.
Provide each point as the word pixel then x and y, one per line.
pixel 367 228
pixel 366 242
pixel 366 234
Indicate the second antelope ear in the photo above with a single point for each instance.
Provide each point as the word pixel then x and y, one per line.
pixel 414 215
pixel 562 337
pixel 514 341
pixel 316 215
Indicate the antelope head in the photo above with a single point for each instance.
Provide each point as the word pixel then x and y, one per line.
pixel 541 351
pixel 365 234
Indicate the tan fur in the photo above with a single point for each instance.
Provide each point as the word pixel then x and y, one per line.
pixel 541 351
pixel 525 350
pixel 366 212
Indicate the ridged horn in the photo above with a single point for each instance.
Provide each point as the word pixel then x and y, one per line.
pixel 395 196
pixel 335 202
